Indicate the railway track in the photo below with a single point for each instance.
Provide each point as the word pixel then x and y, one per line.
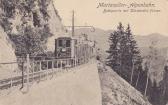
pixel 36 76
pixel 36 70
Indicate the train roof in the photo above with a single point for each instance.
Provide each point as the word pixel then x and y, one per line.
pixel 64 38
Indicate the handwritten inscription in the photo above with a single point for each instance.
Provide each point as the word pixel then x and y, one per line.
pixel 128 7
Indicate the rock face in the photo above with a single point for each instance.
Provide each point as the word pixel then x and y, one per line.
pixel 7 54
pixel 42 18
pixel 56 27
pixel 7 51
pixel 39 15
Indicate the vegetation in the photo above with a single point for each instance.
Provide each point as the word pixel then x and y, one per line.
pixel 30 39
pixel 125 59
pixel 124 55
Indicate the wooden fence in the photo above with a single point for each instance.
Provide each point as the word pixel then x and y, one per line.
pixel 35 70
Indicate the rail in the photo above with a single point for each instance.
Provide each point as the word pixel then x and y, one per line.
pixel 36 70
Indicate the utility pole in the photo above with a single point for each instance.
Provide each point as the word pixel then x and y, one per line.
pixel 72 27
pixel 73 24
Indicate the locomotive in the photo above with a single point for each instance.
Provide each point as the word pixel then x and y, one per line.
pixel 71 47
pixel 63 47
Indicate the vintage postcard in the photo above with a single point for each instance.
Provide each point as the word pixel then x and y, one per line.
pixel 83 52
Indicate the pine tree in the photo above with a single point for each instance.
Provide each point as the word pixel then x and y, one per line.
pixel 113 58
pixel 131 59
pixel 124 56
pixel 134 57
pixel 123 51
pixel 115 51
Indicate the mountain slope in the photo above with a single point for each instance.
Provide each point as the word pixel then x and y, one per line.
pixel 38 18
pixel 39 15
pixel 116 91
pixel 145 41
pixel 101 37
pixel 55 25
pixel 7 54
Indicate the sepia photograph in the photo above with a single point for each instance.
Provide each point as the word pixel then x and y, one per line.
pixel 83 52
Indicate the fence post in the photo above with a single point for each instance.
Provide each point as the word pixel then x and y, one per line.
pixel 22 75
pixel 40 72
pixel 11 80
pixel 61 65
pixel 52 67
pixel 33 72
pixel 27 70
pixel 57 66
pixel 75 61
pixel 68 63
pixel 47 68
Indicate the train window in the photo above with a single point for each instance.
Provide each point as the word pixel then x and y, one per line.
pixel 60 43
pixel 75 41
pixel 68 43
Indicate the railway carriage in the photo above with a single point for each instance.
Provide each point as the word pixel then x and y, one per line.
pixel 64 47
pixel 73 48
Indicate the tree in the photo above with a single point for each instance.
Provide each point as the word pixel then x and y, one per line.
pixel 134 55
pixel 113 58
pixel 124 56
pixel 150 62
pixel 29 39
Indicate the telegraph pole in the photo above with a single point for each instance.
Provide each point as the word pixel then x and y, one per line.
pixel 72 27
pixel 73 24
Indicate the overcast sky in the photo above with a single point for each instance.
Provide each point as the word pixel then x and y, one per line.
pixel 87 13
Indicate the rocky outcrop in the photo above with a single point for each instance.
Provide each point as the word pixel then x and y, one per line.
pixel 7 55
pixel 56 26
pixel 39 15
pixel 42 20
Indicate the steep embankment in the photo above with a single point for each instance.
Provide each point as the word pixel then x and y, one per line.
pixel 39 16
pixel 79 86
pixel 116 91
pixel 15 16
pixel 7 54
pixel 56 26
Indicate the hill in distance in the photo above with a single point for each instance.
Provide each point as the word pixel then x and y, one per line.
pixel 143 41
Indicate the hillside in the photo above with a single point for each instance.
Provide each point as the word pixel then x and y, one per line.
pixel 116 91
pixel 7 54
pixel 161 46
pixel 143 41
pixel 99 35
pixel 56 26
pixel 18 18
pixel 40 16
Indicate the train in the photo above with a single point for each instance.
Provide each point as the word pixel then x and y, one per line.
pixel 80 49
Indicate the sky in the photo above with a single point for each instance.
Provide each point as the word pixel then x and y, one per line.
pixel 87 13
